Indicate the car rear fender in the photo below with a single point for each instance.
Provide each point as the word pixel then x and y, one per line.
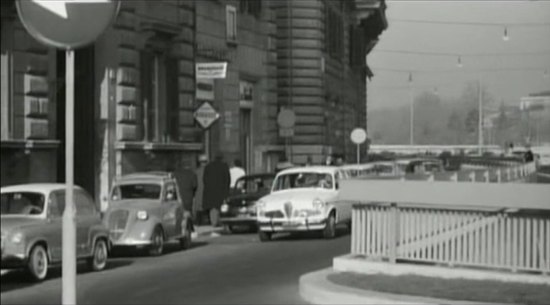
pixel 144 226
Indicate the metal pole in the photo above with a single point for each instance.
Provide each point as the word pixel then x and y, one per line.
pixel 411 102
pixel 480 120
pixel 358 153
pixel 207 143
pixel 69 234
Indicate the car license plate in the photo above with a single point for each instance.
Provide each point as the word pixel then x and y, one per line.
pixel 291 224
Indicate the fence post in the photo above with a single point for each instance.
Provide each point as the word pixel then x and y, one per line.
pixel 472 177
pixel 499 175
pixel 508 174
pixel 486 175
pixel 431 177
pixel 454 177
pixel 394 233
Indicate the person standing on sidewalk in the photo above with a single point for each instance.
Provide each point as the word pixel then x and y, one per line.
pixel 216 187
pixel 197 203
pixel 236 172
pixel 187 184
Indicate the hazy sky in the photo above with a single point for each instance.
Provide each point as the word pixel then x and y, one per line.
pixel 507 77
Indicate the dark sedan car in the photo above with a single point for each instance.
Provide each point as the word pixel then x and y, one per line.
pixel 239 209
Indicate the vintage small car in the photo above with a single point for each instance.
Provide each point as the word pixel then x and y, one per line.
pixel 239 209
pixel 145 211
pixel 303 199
pixel 31 217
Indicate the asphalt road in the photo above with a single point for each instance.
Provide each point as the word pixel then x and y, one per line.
pixel 231 269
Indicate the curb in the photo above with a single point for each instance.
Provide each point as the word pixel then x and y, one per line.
pixel 315 288
pixel 207 231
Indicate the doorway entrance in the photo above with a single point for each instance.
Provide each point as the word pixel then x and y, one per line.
pixel 84 113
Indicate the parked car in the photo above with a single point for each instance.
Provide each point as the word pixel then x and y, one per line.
pixel 239 209
pixel 303 199
pixel 32 228
pixel 145 211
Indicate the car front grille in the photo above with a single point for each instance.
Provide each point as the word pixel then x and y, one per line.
pixel 117 223
pixel 274 214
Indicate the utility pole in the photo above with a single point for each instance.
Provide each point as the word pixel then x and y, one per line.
pixel 480 120
pixel 411 104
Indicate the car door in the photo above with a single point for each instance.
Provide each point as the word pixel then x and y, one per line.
pixel 54 224
pixel 171 210
pixel 343 207
pixel 86 218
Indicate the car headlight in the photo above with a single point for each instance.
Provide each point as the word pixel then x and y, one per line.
pixel 224 208
pixel 318 204
pixel 142 215
pixel 260 208
pixel 17 238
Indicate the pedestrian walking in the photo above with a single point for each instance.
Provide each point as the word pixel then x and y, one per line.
pixel 236 172
pixel 187 185
pixel 216 188
pixel 198 212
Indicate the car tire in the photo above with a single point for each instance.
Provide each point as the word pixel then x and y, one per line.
pixel 329 231
pixel 264 236
pixel 98 261
pixel 186 241
pixel 38 263
pixel 157 242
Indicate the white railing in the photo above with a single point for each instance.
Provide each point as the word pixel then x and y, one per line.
pixel 503 226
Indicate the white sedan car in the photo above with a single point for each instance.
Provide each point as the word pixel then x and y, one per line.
pixel 303 199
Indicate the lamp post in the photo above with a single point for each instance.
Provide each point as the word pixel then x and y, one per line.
pixel 411 104
pixel 480 120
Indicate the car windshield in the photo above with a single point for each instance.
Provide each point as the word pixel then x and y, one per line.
pixel 253 184
pixel 22 203
pixel 303 180
pixel 136 191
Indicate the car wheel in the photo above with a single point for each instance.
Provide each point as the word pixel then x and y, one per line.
pixel 98 261
pixel 157 242
pixel 330 229
pixel 185 242
pixel 38 263
pixel 264 236
pixel 228 229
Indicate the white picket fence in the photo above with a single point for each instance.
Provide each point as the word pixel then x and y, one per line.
pixel 503 226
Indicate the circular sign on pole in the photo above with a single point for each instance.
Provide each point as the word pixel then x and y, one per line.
pixel 358 135
pixel 286 118
pixel 67 24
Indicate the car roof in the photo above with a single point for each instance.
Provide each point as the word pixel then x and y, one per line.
pixel 259 175
pixel 301 169
pixel 36 187
pixel 155 175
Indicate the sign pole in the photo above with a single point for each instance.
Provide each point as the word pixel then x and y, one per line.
pixel 358 153
pixel 207 143
pixel 69 234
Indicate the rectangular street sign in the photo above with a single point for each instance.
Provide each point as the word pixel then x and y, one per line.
pixel 211 70
pixel 286 132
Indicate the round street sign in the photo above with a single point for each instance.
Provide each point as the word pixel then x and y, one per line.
pixel 358 135
pixel 67 24
pixel 286 118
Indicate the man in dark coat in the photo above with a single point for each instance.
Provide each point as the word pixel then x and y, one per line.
pixel 187 185
pixel 216 187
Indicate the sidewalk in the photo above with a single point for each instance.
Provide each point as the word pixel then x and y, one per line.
pixel 204 231
pixel 317 289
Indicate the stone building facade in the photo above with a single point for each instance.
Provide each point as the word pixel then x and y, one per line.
pixel 136 88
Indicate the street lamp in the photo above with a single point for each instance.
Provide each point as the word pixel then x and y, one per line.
pixel 411 103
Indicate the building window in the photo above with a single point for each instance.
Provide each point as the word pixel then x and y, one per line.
pixel 357 50
pixel 334 33
pixel 231 23
pixel 160 115
pixel 252 7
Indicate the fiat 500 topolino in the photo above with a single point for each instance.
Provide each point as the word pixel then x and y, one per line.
pixel 303 199
pixel 145 211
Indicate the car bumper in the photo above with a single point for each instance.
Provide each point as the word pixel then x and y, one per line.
pixel 12 261
pixel 130 242
pixel 240 220
pixel 291 225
